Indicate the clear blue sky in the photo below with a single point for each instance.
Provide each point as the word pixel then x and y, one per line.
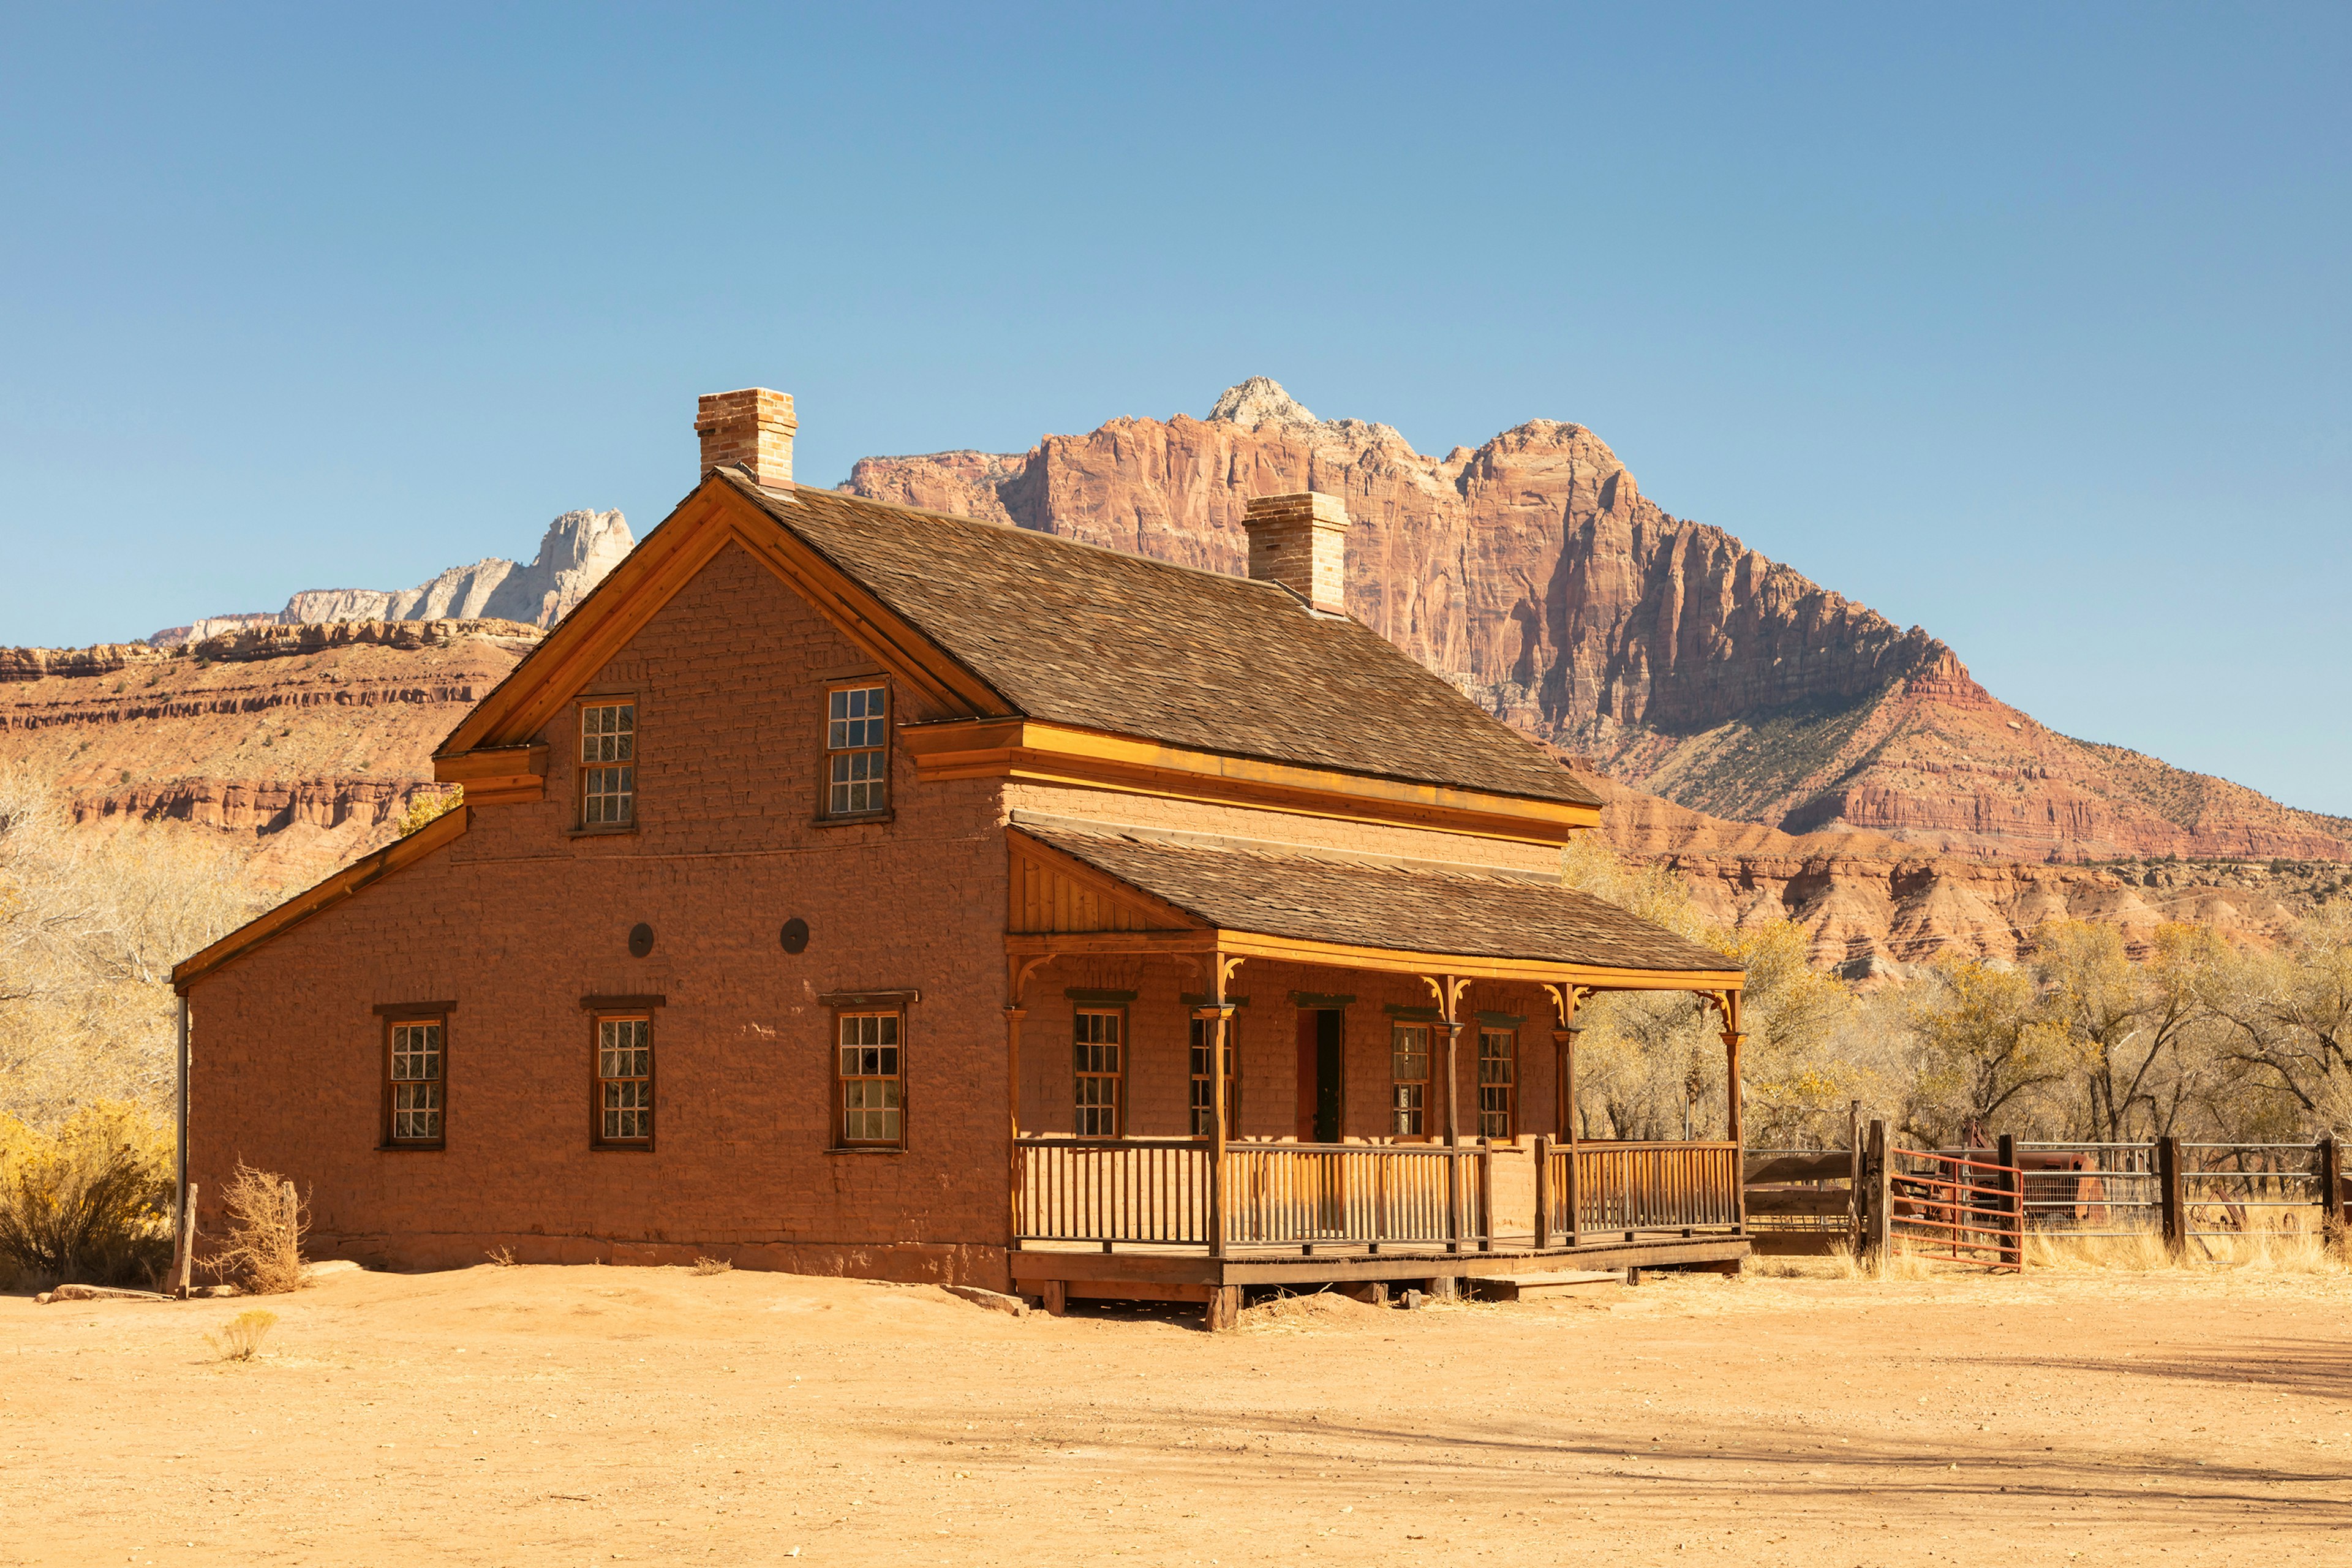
pixel 2026 325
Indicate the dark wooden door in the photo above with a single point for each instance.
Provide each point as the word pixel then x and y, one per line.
pixel 1319 1075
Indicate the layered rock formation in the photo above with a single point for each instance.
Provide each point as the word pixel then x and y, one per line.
pixel 578 549
pixel 1534 573
pixel 300 745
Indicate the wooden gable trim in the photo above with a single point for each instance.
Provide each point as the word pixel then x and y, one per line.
pixel 1143 912
pixel 717 514
pixel 443 829
pixel 1040 753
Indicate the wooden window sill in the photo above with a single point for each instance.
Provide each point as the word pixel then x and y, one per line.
pixel 622 831
pixel 411 1148
pixel 620 1148
pixel 859 819
pixel 867 1149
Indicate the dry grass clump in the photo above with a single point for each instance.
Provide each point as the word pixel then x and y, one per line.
pixel 502 1255
pixel 90 1203
pixel 2291 1246
pixel 267 1220
pixel 712 1265
pixel 240 1337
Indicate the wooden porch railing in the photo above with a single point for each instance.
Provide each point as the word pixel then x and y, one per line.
pixel 1155 1192
pixel 1348 1195
pixel 1614 1188
pixel 1114 1189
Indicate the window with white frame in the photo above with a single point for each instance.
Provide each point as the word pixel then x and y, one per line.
pixel 608 764
pixel 857 750
pixel 1203 1108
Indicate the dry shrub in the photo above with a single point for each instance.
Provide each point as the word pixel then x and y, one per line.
pixel 502 1256
pixel 90 1203
pixel 712 1265
pixel 264 1249
pixel 240 1337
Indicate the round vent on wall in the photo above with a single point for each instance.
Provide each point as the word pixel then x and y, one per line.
pixel 795 934
pixel 641 939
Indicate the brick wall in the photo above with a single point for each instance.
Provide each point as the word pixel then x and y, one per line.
pixel 521 918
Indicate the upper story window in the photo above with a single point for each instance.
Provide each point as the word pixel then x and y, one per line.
pixel 608 764
pixel 857 750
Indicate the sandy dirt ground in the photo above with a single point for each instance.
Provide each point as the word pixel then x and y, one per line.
pixel 594 1416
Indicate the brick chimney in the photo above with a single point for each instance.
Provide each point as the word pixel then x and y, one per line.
pixel 752 429
pixel 1301 542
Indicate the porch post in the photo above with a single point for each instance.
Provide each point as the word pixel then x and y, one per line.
pixel 1449 991
pixel 1218 1015
pixel 1564 1041
pixel 1012 1016
pixel 1732 1096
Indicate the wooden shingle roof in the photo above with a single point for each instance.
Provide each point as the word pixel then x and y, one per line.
pixel 1276 891
pixel 1075 634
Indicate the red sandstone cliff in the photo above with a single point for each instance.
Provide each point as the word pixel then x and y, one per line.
pixel 1534 573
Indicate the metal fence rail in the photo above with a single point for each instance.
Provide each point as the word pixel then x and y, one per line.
pixel 1958 1209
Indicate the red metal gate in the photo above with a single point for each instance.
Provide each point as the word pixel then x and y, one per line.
pixel 1958 1210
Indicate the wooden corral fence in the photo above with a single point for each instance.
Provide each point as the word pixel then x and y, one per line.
pixel 1816 1201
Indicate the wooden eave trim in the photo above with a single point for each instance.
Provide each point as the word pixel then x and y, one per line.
pixel 441 830
pixel 1102 882
pixel 1392 960
pixel 662 562
pixel 500 763
pixel 1036 751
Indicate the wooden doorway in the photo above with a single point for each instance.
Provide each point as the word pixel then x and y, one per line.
pixel 1322 1075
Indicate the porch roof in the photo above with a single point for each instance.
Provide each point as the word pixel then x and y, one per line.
pixel 1382 903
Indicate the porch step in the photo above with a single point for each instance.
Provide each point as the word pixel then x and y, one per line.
pixel 1559 1282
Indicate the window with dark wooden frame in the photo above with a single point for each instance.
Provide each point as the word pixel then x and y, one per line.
pixel 608 764
pixel 414 1056
pixel 857 750
pixel 1408 1070
pixel 625 1079
pixel 1099 1041
pixel 1498 1052
pixel 870 1079
pixel 1203 1108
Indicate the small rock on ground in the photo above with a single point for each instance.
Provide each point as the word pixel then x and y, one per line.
pixel 995 1300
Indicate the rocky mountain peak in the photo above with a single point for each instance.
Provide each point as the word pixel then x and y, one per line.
pixel 1259 401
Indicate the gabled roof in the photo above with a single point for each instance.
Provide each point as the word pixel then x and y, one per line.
pixel 1080 635
pixel 1368 902
pixel 1016 623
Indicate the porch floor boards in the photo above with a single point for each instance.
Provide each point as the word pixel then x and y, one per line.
pixel 1143 1263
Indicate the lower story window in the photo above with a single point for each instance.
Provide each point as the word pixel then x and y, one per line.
pixel 1409 1070
pixel 1203 1108
pixel 1498 1082
pixel 414 1073
pixel 1098 1042
pixel 625 1081
pixel 872 1081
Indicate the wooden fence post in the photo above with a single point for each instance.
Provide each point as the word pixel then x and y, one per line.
pixel 1853 1208
pixel 1876 1204
pixel 185 1259
pixel 2012 1187
pixel 1543 1192
pixel 2170 1191
pixel 2331 1183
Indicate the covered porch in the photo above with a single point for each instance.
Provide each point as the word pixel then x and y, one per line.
pixel 1401 1112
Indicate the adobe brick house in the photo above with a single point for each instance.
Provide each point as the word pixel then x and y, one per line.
pixel 853 889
